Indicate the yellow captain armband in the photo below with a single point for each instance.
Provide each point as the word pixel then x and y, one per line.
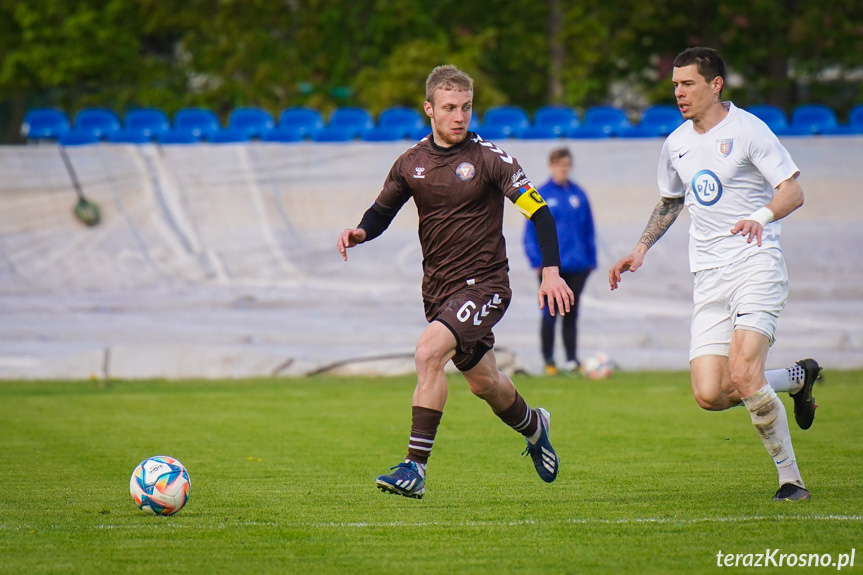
pixel 529 201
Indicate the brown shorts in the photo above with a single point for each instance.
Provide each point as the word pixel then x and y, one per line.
pixel 470 314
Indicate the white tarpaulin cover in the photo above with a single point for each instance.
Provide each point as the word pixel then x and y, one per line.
pixel 220 261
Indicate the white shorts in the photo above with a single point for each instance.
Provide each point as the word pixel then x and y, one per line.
pixel 748 294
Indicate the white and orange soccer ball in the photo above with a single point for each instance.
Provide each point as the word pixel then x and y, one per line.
pixel 597 366
pixel 160 485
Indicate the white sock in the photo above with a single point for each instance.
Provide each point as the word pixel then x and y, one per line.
pixel 536 434
pixel 790 474
pixel 790 379
pixel 769 418
pixel 421 467
pixel 796 375
pixel 778 379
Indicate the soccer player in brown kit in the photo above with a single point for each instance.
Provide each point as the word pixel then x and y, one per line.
pixel 458 182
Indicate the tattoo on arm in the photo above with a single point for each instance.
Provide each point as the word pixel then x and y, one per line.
pixel 664 214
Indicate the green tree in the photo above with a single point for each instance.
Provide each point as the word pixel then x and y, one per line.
pixel 401 77
pixel 376 53
pixel 777 50
pixel 73 50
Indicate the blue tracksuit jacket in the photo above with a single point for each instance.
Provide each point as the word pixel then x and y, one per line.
pixel 575 233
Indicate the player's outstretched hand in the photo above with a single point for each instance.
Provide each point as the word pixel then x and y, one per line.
pixel 555 289
pixel 348 239
pixel 750 229
pixel 630 263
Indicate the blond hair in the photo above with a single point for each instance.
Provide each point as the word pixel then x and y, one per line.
pixel 447 77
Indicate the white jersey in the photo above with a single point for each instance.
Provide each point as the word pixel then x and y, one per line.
pixel 724 175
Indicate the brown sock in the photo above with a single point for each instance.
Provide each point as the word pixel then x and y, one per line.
pixel 424 424
pixel 520 416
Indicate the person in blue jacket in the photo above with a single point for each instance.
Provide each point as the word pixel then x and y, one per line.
pixel 575 233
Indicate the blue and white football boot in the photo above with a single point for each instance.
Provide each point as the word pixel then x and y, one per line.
pixel 545 460
pixel 406 480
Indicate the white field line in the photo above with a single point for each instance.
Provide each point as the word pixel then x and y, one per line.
pixel 158 523
pixel 596 521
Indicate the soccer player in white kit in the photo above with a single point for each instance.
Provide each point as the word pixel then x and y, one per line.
pixel 737 180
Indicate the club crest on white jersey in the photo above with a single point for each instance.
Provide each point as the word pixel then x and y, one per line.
pixel 724 147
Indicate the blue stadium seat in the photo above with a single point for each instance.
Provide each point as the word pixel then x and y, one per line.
pixel 146 122
pixel 73 138
pixel 200 122
pixel 773 116
pixel 101 122
pixel 420 132
pixel 585 132
pixel 44 124
pixel 855 120
pixel 541 132
pixel 657 121
pixel 385 133
pixel 401 117
pixel 551 122
pixel 495 132
pixel 253 121
pixel 284 134
pixel 563 117
pixel 349 120
pixel 178 137
pixel 336 134
pixel 815 119
pixel 229 136
pixel 395 123
pixel 129 137
pixel 504 122
pixel 601 122
pixel 306 120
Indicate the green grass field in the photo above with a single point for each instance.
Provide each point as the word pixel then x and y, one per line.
pixel 283 479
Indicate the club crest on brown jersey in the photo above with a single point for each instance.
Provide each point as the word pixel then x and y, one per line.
pixel 465 171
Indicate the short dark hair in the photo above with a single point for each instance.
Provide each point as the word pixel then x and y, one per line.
pixel 559 154
pixel 710 63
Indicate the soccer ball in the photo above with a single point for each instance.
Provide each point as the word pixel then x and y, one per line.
pixel 597 366
pixel 160 485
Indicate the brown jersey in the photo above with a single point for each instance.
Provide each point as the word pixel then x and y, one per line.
pixel 459 195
